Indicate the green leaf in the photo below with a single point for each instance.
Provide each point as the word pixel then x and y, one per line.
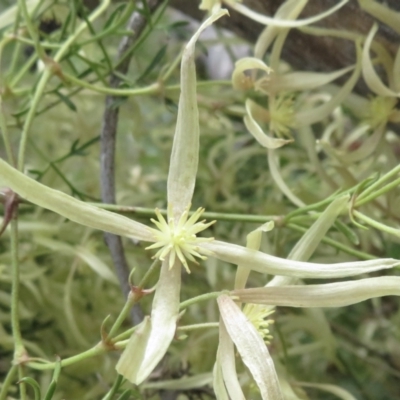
pixel 35 386
pixel 347 232
pixel 125 395
pixel 154 62
pixel 113 16
pixel 66 100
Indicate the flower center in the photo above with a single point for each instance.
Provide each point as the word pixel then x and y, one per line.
pixel 257 315
pixel 179 240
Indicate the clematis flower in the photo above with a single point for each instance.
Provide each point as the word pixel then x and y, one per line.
pixel 177 241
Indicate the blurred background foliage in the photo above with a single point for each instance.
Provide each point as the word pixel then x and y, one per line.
pixel 68 286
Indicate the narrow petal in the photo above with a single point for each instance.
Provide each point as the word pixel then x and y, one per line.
pixel 226 362
pixel 218 383
pixel 306 246
pixel 265 20
pixel 301 80
pixel 311 116
pixel 289 10
pixel 71 208
pixel 134 350
pixel 251 348
pixel 146 350
pixel 255 129
pixel 383 13
pixel 334 389
pixel 253 241
pixel 267 264
pixel 185 149
pixel 337 294
pixel 371 78
pixel 240 80
pixel 273 165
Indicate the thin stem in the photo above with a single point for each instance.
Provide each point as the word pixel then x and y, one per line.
pixel 31 28
pixel 125 335
pixel 130 301
pixel 379 192
pixel 19 349
pixel 148 273
pixel 135 25
pixel 20 74
pixel 94 351
pixel 149 212
pixel 335 244
pixel 151 89
pixel 373 188
pixel 206 325
pixel 46 76
pixel 376 224
pixel 5 134
pixel 22 385
pixel 8 381
pixel 114 389
pixel 198 299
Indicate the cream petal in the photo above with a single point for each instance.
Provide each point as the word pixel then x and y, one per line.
pixel 258 134
pixel 265 263
pixel 382 12
pixel 146 349
pixel 265 20
pixel 289 10
pixel 338 294
pixel 226 362
pixel 185 149
pixel 251 348
pixel 371 78
pixel 71 208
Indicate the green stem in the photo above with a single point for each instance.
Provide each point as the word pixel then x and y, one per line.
pixel 198 299
pixel 22 385
pixel 111 29
pixel 149 272
pixel 7 382
pixel 373 188
pixel 375 224
pixel 371 196
pixel 125 335
pixel 149 212
pixel 151 89
pixel 19 349
pixel 31 28
pixel 206 325
pixel 336 244
pixel 6 136
pixel 20 74
pixel 94 351
pixel 114 389
pixel 46 76
pixel 130 301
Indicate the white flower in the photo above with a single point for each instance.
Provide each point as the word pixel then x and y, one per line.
pixel 179 239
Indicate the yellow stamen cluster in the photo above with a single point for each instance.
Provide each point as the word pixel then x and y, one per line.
pixel 282 116
pixel 380 110
pixel 179 240
pixel 257 315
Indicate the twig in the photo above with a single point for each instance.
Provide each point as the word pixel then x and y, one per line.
pixel 136 24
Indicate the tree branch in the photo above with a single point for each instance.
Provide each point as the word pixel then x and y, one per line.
pixel 136 25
